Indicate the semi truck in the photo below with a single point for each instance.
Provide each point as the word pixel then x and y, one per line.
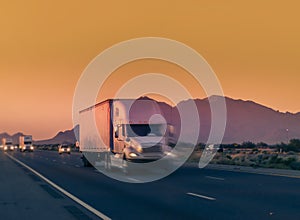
pixel 7 144
pixel 126 130
pixel 25 143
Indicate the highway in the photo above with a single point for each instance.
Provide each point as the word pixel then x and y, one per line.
pixel 188 193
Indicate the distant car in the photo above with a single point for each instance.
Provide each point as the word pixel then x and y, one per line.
pixel 8 147
pixel 28 148
pixel 64 149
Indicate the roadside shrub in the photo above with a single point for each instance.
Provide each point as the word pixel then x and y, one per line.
pixel 254 165
pixel 273 158
pixel 289 161
pixel 248 144
pixel 295 165
pixel 265 157
pixel 229 157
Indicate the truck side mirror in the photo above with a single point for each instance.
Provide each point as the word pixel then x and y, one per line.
pixel 171 130
pixel 117 134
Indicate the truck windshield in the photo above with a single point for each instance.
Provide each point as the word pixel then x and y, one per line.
pixel 140 130
pixel 27 142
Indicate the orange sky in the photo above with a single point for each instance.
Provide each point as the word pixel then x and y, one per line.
pixel 253 47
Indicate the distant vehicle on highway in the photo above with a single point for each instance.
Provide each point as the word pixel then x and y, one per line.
pixel 131 130
pixel 64 149
pixel 7 144
pixel 25 143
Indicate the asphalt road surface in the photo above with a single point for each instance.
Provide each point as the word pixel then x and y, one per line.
pixel 188 193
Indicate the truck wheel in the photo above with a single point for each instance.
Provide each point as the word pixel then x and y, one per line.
pixel 107 164
pixel 86 163
pixel 125 166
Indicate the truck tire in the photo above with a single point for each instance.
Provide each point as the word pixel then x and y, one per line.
pixel 86 163
pixel 107 163
pixel 125 166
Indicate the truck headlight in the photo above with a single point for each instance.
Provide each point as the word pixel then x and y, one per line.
pixel 133 155
pixel 68 149
pixel 31 148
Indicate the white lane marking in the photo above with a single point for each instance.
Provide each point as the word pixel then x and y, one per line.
pixel 133 179
pixel 77 166
pixel 85 205
pixel 214 178
pixel 53 160
pixel 63 162
pixel 201 196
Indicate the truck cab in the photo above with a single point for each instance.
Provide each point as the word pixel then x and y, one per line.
pixel 25 143
pixel 140 142
pixel 140 130
pixel 7 144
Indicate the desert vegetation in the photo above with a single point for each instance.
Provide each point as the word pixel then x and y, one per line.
pixel 281 156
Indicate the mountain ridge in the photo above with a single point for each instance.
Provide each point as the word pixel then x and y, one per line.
pixel 246 121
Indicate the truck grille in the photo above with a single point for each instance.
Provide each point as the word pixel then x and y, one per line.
pixel 152 149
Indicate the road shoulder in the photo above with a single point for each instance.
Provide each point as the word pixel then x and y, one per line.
pixel 265 171
pixel 25 196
